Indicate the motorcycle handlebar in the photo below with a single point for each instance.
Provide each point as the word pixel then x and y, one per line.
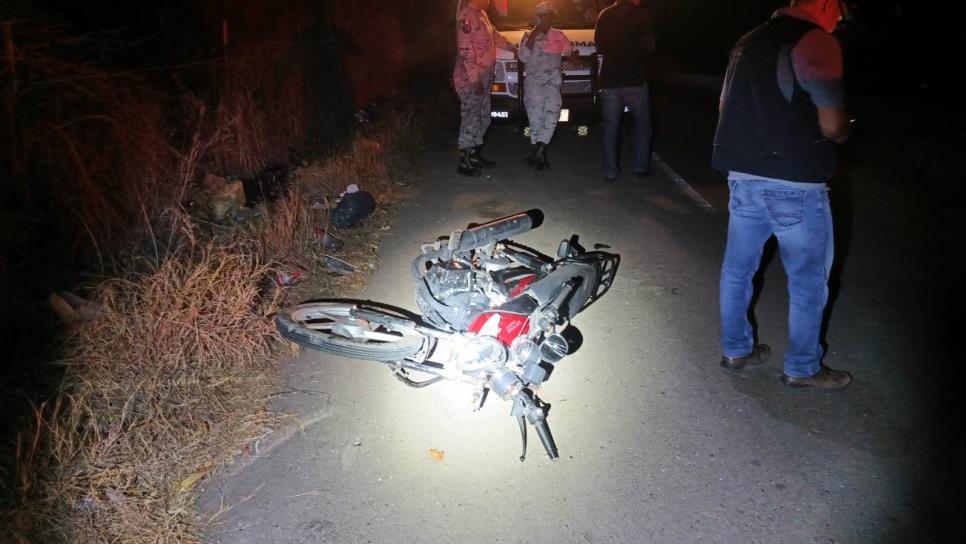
pixel 547 439
pixel 500 229
pixel 526 259
pixel 480 235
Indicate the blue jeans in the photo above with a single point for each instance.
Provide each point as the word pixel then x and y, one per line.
pixel 798 215
pixel 613 102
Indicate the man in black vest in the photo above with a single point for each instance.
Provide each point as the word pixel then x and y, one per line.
pixel 782 112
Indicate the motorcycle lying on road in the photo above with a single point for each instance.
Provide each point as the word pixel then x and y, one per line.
pixel 491 310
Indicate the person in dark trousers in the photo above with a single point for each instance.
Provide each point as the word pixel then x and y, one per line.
pixel 542 50
pixel 477 41
pixel 781 116
pixel 625 36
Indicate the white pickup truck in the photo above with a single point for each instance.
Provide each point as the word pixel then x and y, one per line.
pixel 576 19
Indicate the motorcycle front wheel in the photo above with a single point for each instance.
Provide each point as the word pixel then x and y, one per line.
pixel 332 327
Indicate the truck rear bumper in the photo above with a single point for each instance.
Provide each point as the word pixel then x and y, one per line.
pixel 576 110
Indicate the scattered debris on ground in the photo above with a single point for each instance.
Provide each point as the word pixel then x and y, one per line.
pixel 354 205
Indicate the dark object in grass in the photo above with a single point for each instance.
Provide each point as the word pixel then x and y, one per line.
pixel 353 207
pixel 338 266
pixel 328 242
pixel 267 186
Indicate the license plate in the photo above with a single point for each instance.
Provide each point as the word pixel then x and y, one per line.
pixel 564 116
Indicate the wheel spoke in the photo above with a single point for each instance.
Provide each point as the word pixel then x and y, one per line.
pixel 334 328
pixel 342 324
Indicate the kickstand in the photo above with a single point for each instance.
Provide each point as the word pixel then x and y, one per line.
pixel 523 436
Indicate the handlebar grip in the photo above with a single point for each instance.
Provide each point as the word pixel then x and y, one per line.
pixel 547 439
pixel 499 229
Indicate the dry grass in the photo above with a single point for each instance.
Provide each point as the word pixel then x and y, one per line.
pixel 159 392
pixel 172 383
pixel 373 163
pixel 287 228
pixel 97 150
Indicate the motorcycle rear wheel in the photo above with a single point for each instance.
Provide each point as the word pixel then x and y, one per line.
pixel 331 327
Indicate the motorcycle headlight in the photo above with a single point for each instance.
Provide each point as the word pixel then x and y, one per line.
pixel 481 352
pixel 524 350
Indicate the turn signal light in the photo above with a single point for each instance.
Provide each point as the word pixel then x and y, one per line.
pixel 498 88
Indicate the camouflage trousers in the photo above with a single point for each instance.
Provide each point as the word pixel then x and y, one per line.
pixel 474 112
pixel 542 101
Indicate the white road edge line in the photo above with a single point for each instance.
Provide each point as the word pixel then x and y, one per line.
pixel 683 185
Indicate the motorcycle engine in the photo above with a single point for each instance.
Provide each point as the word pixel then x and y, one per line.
pixel 453 284
pixel 466 306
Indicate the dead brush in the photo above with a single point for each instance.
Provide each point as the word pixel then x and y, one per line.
pixel 165 388
pixel 400 132
pixel 92 143
pixel 363 164
pixel 366 162
pixel 172 382
pixel 288 226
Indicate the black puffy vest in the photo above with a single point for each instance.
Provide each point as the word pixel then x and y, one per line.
pixel 760 132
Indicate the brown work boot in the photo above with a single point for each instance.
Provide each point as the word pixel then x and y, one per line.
pixel 759 354
pixel 825 378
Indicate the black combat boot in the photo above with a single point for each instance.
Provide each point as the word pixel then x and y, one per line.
pixel 532 157
pixel 541 158
pixel 466 167
pixel 476 157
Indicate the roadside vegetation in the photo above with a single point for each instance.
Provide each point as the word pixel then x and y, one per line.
pixel 172 380
pixel 165 373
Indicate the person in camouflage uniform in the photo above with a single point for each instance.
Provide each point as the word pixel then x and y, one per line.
pixel 476 41
pixel 541 51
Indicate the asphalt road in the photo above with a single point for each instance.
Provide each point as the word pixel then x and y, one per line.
pixel 657 443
